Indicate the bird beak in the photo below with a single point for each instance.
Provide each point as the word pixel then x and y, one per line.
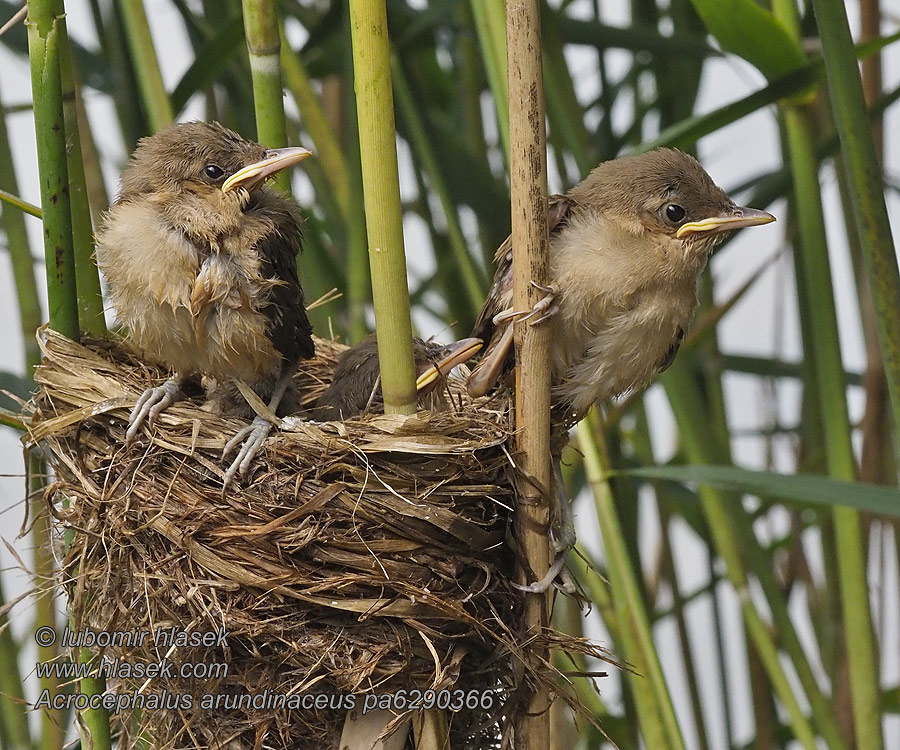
pixel 275 160
pixel 733 218
pixel 452 355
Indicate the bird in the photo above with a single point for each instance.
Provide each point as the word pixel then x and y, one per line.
pixel 356 389
pixel 627 246
pixel 201 260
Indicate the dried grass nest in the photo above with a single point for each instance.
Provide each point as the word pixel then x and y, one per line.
pixel 362 557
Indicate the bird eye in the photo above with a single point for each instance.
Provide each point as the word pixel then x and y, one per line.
pixel 213 172
pixel 674 213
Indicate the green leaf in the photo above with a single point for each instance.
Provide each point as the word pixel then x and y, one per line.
pixel 752 32
pixel 804 488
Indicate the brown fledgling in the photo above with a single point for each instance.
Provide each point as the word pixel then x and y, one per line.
pixel 201 259
pixel 356 386
pixel 627 246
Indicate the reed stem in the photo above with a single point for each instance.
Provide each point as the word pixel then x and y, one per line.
pixel 381 191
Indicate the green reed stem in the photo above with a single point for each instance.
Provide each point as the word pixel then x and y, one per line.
pixel 381 189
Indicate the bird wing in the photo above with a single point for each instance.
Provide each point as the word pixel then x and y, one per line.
pixel 669 356
pixel 289 328
pixel 497 357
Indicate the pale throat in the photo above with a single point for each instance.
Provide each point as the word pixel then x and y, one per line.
pixel 210 217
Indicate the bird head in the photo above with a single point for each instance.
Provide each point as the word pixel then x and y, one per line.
pixel 205 160
pixel 666 193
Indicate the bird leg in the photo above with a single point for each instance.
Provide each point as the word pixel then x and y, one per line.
pixel 251 437
pixel 562 539
pixel 151 403
pixel 545 308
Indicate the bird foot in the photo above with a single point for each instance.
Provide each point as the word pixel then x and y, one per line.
pixel 544 308
pixel 562 539
pixel 250 439
pixel 557 576
pixel 150 404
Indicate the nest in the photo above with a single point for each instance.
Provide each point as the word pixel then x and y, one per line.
pixel 362 558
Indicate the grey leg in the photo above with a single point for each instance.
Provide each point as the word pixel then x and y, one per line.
pixel 252 437
pixel 151 403
pixel 562 539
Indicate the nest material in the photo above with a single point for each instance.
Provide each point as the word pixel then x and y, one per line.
pixel 362 557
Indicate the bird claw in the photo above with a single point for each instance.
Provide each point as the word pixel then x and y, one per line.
pixel 542 586
pixel 544 308
pixel 150 405
pixel 557 575
pixel 251 439
pixel 546 305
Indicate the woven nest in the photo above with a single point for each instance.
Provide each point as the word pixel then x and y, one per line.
pixel 361 558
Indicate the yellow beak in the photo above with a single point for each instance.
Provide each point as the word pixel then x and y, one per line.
pixel 453 354
pixel 734 218
pixel 275 160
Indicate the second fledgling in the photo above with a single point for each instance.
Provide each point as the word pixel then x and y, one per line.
pixel 627 246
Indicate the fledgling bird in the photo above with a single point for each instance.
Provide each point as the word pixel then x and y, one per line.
pixel 201 259
pixel 627 246
pixel 356 389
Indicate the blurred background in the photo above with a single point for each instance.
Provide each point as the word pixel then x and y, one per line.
pixel 745 604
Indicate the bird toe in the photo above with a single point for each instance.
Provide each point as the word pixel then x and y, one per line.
pixel 150 404
pixel 250 439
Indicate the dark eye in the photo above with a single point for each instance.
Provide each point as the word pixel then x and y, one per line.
pixel 213 172
pixel 674 212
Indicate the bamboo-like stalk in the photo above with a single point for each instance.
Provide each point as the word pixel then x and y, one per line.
pixel 146 65
pixel 46 24
pixel 644 449
pixel 87 276
pixel 98 198
pixel 469 88
pixel 381 189
pixel 94 724
pixel 52 725
pixel 531 265
pixel 112 35
pixel 657 714
pixel 22 205
pixel 264 47
pixel 46 37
